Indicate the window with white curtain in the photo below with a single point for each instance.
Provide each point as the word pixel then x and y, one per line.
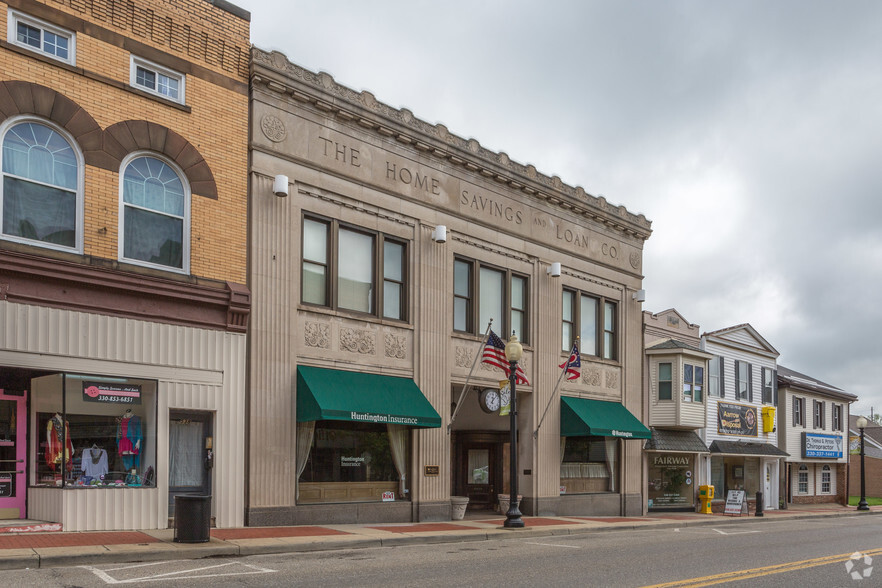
pixel 42 191
pixel 154 214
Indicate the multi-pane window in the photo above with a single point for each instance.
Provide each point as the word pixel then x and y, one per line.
pixel 693 382
pixel 769 386
pixel 665 381
pixel 818 414
pixel 483 292
pixel 594 319
pixel 743 385
pixel 42 37
pixel 42 187
pixel 342 267
pixel 715 377
pixel 798 412
pixel 155 215
pixel 837 417
pixel 156 79
pixel 802 479
pixel 825 480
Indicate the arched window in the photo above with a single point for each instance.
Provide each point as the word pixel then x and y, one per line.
pixel 154 214
pixel 42 186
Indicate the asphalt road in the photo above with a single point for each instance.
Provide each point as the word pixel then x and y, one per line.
pixel 804 553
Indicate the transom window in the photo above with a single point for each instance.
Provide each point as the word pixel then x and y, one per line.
pixel 41 37
pixel 595 319
pixel 483 292
pixel 155 215
pixel 157 79
pixel 42 187
pixel 693 382
pixel 343 265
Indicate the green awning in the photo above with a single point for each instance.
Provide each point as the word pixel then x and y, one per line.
pixel 580 417
pixel 335 395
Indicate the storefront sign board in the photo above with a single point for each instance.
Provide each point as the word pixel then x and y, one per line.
pixel 735 504
pixel 815 445
pixel 736 419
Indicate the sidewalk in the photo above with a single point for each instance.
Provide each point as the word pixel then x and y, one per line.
pixel 20 550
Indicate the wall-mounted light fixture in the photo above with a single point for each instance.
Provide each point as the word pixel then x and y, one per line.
pixel 280 186
pixel 554 270
pixel 439 234
pixel 639 295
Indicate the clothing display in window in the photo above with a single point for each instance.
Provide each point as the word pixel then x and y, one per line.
pixel 94 462
pixel 58 443
pixel 128 437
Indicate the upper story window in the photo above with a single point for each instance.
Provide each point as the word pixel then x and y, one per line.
pixel 154 214
pixel 342 267
pixel 743 383
pixel 770 386
pixel 798 412
pixel 41 37
pixel 157 80
pixel 42 192
pixel 693 382
pixel 715 382
pixel 482 292
pixel 665 381
pixel 818 414
pixel 837 417
pixel 595 320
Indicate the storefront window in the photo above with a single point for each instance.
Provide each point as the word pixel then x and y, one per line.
pixel 802 479
pixel 590 464
pixel 349 462
pixel 93 431
pixel 670 480
pixel 735 473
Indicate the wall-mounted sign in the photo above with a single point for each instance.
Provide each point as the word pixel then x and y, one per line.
pixel 736 419
pixel 112 393
pixel 388 496
pixel 814 445
pixel 432 470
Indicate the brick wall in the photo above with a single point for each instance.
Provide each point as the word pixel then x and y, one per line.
pixel 210 47
pixel 873 476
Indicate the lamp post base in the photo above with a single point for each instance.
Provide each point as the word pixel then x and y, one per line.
pixel 513 518
pixel 862 505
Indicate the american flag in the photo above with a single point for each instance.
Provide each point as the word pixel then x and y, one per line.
pixel 573 364
pixel 494 354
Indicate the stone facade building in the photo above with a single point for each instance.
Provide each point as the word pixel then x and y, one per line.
pixel 381 247
pixel 123 305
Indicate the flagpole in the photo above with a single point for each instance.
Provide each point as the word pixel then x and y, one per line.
pixel 554 392
pixel 469 377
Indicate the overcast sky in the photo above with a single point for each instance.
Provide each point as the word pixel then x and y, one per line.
pixel 749 133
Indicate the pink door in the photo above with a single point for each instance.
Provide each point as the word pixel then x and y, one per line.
pixel 12 454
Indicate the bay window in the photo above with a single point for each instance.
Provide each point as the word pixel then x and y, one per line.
pixel 693 382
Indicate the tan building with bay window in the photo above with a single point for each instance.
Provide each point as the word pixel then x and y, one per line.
pixel 381 248
pixel 123 305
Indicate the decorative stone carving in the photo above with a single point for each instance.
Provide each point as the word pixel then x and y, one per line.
pixel 463 357
pixel 503 158
pixel 612 379
pixel 317 335
pixel 396 346
pixel 357 341
pixel 273 128
pixel 474 146
pixel 591 376
pixel 634 259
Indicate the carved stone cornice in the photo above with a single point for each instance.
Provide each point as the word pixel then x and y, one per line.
pixel 59 283
pixel 273 71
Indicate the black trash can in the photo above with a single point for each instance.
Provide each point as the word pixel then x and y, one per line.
pixel 192 518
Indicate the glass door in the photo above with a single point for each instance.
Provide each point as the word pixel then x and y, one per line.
pixel 190 455
pixel 13 488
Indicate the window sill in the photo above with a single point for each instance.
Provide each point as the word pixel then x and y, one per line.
pixel 355 316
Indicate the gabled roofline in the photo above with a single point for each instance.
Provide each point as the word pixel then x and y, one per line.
pixel 655 315
pixel 717 337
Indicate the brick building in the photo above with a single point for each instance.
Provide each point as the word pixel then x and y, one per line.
pixel 123 305
pixel 872 458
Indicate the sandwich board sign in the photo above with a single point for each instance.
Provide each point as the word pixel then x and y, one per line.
pixel 735 504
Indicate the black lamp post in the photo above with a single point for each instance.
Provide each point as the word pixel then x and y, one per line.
pixel 513 353
pixel 862 505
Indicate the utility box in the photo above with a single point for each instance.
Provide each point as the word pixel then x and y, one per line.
pixel 768 419
pixel 705 495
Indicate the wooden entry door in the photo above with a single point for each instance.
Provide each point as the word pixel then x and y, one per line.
pixel 480 463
